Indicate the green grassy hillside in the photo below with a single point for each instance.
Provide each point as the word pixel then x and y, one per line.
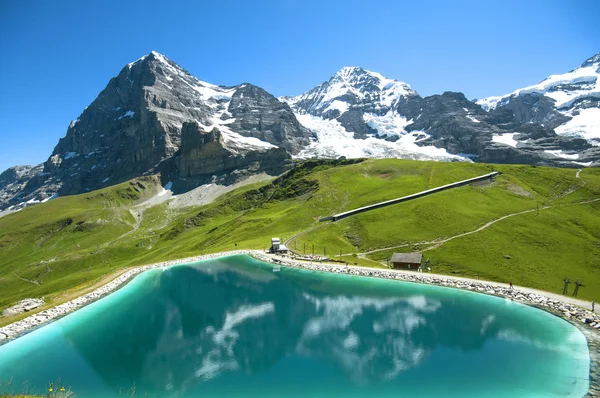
pixel 72 242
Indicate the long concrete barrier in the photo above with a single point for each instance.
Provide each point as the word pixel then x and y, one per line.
pixel 348 213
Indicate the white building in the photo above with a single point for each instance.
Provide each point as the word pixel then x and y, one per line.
pixel 277 246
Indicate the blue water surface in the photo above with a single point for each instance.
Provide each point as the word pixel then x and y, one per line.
pixel 232 327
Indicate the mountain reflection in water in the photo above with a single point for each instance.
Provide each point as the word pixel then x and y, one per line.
pixel 190 326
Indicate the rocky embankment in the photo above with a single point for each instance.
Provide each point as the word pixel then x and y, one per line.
pixel 586 321
pixel 15 329
pixel 568 311
pixel 23 306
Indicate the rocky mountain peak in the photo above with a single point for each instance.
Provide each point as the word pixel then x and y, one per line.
pixel 351 75
pixel 156 117
pixel 150 57
pixel 360 78
pixel 135 125
pixel 350 88
pixel 361 81
pixel 592 61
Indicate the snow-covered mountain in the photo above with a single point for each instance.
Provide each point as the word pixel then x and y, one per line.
pixel 568 103
pixel 362 113
pixel 155 117
pixel 352 88
pixel 355 114
pixel 135 126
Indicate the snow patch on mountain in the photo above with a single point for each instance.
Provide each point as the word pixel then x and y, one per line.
pixel 233 141
pixel 341 106
pixel 166 190
pixel 585 164
pixel 471 118
pixel 49 198
pixel 490 103
pixel 391 90
pixel 128 114
pixel 390 124
pixel 564 89
pixel 238 143
pixel 560 154
pixel 506 139
pixel 586 124
pixel 334 141
pixel 209 91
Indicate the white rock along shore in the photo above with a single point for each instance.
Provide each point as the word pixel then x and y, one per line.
pixel 558 307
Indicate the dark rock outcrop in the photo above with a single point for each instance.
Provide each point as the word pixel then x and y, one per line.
pixel 204 157
pixel 531 108
pixel 259 114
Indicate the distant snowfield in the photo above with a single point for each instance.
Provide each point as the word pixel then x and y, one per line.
pixel 390 124
pixel 506 139
pixel 334 141
pixel 585 125
pixel 471 118
pixel 236 142
pixel 341 106
pixel 584 78
pixel 327 96
pixel 560 154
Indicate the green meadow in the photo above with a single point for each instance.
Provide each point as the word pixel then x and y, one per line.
pixel 60 247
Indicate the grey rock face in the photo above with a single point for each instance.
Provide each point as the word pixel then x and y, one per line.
pixel 259 114
pixel 368 105
pixel 14 187
pixel 533 108
pixel 461 126
pixel 134 126
pixel 204 156
pixel 566 103
pixel 14 179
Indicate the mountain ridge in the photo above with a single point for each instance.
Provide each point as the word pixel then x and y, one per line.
pixel 135 125
pixel 436 123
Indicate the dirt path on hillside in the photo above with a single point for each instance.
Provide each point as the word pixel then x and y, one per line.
pixel 436 243
pixel 573 188
pixel 578 175
pixel 138 216
pixel 301 233
pixel 440 241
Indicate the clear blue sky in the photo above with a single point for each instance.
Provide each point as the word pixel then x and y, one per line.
pixel 56 56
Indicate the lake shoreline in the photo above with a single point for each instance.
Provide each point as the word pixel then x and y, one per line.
pixel 586 321
pixel 570 312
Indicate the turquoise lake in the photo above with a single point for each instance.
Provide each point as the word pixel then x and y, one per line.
pixel 232 327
